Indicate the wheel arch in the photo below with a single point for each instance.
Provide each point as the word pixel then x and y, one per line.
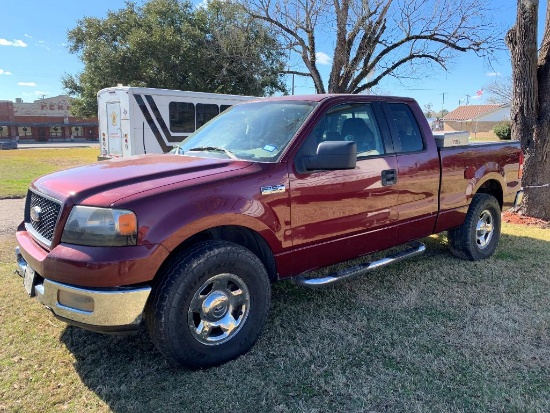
pixel 243 236
pixel 492 187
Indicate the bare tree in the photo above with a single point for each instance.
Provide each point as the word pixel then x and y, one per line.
pixel 531 105
pixel 500 91
pixel 376 38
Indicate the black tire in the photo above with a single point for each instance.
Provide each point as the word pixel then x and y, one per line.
pixel 209 306
pixel 477 238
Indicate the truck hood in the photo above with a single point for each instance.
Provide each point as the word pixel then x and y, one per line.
pixel 108 181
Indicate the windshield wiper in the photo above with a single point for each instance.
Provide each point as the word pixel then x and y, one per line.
pixel 176 150
pixel 213 149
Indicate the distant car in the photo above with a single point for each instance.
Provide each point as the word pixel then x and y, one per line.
pixel 8 145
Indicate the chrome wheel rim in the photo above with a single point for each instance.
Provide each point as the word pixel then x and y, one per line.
pixel 484 229
pixel 218 309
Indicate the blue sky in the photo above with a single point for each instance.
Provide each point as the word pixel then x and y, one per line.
pixel 34 55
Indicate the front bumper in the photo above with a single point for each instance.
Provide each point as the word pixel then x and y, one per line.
pixel 113 310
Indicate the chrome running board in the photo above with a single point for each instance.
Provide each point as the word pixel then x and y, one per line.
pixel 306 280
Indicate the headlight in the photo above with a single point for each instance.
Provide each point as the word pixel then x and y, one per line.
pixel 100 227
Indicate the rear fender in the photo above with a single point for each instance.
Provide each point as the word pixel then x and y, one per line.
pixel 488 179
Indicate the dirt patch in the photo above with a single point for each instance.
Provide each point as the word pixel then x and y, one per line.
pixel 11 215
pixel 515 218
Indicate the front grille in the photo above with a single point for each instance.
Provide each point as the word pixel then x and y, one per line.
pixel 41 224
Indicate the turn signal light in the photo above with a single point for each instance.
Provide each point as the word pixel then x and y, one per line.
pixel 127 224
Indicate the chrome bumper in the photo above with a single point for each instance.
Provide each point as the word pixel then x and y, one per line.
pixel 109 310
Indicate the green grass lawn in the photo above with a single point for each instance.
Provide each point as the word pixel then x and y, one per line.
pixel 433 334
pixel 19 167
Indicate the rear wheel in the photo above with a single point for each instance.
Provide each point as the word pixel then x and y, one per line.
pixel 477 238
pixel 209 306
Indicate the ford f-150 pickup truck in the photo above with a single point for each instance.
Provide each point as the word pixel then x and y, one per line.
pixel 188 243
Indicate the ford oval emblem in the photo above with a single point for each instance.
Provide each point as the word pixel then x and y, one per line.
pixel 36 213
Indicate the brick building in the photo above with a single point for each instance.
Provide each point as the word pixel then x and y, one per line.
pixel 476 119
pixel 44 120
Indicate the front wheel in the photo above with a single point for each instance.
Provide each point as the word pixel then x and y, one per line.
pixel 209 306
pixel 477 238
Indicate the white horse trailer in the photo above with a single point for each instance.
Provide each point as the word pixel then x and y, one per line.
pixel 137 120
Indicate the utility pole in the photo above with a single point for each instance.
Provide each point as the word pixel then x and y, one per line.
pixel 443 102
pixel 467 99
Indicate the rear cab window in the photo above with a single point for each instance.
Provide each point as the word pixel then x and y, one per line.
pixel 406 126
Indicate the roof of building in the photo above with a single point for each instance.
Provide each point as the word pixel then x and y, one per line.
pixel 471 112
pixel 53 99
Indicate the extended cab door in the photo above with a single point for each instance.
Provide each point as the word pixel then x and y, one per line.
pixel 340 214
pixel 418 171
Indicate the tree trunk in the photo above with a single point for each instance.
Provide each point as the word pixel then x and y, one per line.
pixel 531 106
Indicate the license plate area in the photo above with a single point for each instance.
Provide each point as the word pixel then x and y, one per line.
pixel 29 280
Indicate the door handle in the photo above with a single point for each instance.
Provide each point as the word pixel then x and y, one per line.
pixel 389 177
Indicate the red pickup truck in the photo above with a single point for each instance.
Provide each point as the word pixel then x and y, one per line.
pixel 189 242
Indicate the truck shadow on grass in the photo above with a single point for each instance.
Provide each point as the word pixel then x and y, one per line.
pixel 434 333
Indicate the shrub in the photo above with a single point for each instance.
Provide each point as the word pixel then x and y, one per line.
pixel 503 130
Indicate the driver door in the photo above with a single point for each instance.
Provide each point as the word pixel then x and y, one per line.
pixel 341 214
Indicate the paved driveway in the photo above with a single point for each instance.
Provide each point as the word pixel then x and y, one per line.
pixel 58 145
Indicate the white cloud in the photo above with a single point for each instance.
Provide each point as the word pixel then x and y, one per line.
pixel 4 72
pixel 14 43
pixel 492 74
pixel 323 58
pixel 26 84
pixel 44 44
pixel 28 35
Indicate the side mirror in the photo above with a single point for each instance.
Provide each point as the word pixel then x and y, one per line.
pixel 332 155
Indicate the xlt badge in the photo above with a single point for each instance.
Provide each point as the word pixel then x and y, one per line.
pixel 274 189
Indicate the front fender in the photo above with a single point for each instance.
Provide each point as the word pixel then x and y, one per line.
pixel 271 234
pixel 174 215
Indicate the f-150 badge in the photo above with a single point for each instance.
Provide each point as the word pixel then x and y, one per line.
pixel 274 189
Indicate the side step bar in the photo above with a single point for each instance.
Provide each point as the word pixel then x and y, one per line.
pixel 414 249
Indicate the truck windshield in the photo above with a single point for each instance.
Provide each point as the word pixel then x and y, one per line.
pixel 258 131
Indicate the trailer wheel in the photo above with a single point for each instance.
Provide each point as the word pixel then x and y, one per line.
pixel 210 305
pixel 477 238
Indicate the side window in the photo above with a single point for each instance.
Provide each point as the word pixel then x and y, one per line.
pixel 407 128
pixel 224 107
pixel 353 122
pixel 205 112
pixel 182 117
